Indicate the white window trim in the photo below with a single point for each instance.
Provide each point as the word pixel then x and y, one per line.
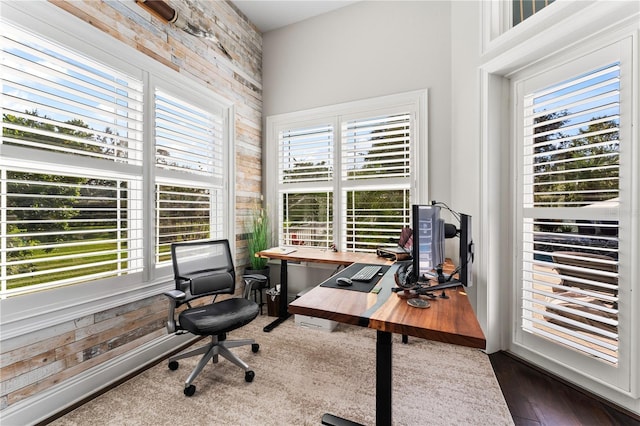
pixel 566 24
pixel 23 315
pixel 619 376
pixel 415 100
pixel 581 27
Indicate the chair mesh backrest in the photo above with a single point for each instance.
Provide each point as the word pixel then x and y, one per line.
pixel 203 267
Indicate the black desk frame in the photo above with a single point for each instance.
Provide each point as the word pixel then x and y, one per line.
pixel 390 314
pixel 384 360
pixel 383 385
pixel 283 314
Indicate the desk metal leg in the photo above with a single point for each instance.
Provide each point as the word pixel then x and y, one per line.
pixel 331 420
pixel 383 378
pixel 283 313
pixel 383 385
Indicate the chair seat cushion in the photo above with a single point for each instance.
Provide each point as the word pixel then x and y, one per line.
pixel 220 317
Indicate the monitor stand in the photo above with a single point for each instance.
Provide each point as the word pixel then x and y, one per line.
pixel 444 281
pixel 441 286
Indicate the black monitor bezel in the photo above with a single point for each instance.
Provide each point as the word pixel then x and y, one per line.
pixel 415 249
pixel 465 253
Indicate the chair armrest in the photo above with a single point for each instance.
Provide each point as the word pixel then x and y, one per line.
pixel 175 297
pixel 257 277
pixel 248 283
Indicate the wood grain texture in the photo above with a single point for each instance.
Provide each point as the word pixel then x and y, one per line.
pixel 33 363
pixel 306 254
pixel 536 397
pixel 449 320
pixel 334 304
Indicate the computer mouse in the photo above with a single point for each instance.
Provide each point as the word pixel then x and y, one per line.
pixel 344 282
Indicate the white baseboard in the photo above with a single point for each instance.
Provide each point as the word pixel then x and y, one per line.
pixel 46 404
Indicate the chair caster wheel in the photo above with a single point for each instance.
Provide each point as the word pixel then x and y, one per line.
pixel 190 390
pixel 255 347
pixel 248 376
pixel 173 365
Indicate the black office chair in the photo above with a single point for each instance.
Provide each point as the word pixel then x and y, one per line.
pixel 205 268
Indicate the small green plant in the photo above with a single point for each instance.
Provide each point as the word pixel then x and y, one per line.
pixel 258 237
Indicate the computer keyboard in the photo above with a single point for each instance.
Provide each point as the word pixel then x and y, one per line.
pixel 366 273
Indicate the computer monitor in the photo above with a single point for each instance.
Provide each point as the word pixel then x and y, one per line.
pixel 429 233
pixel 466 251
pixel 428 240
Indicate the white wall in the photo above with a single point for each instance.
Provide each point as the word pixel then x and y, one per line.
pixel 375 48
pixel 465 108
pixel 368 49
pixel 467 162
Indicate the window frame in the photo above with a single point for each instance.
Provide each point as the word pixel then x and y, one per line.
pixel 618 377
pixel 217 181
pixel 414 102
pixel 498 29
pixel 577 28
pixel 30 312
pixel 525 83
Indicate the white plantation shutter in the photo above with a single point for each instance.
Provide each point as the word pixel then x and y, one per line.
pixel 188 138
pixel 73 178
pixel 376 170
pixel 185 213
pixel 570 223
pixel 71 167
pixel 307 218
pixel 57 100
pixel 189 172
pixel 377 147
pixel 374 218
pixel 65 229
pixel 306 154
pixel 306 165
pixel 346 173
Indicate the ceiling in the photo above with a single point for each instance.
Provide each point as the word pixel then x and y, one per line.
pixel 269 15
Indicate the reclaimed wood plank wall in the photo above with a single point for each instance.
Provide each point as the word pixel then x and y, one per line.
pixel 35 362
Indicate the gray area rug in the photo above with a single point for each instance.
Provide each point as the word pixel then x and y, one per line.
pixel 303 373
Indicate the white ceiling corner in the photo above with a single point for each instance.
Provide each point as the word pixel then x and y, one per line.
pixel 269 15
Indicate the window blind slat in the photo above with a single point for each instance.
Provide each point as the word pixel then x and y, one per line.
pixel 71 170
pixel 573 138
pixel 68 103
pixel 18 43
pixel 60 227
pixel 376 148
pixel 184 213
pixel 306 154
pixel 578 115
pixel 186 140
pixel 614 68
pixel 66 87
pixel 561 96
pixel 597 347
pixel 127 130
pixel 367 159
pixel 570 260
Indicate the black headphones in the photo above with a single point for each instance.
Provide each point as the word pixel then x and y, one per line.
pixel 404 275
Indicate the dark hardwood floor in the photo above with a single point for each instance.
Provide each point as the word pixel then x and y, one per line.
pixel 535 397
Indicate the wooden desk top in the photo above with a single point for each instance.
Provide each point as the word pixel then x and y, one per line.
pixel 447 320
pixel 315 255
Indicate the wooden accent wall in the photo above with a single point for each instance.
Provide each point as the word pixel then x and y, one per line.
pixel 33 363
